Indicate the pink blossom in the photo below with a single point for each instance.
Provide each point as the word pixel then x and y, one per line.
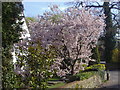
pixel 73 32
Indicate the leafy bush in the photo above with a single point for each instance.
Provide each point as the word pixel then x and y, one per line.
pixel 85 75
pixel 36 62
pixel 88 72
pixel 99 67
pixel 81 76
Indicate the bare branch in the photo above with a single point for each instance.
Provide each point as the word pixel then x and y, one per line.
pixel 99 6
pixel 114 18
pixel 97 3
pixel 78 4
pixel 115 8
pixel 112 5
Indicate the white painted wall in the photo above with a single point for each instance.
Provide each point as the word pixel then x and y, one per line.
pixel 24 35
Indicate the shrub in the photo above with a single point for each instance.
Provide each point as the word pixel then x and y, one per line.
pixel 81 76
pixel 99 67
pixel 36 62
pixel 85 75
pixel 92 63
pixel 88 72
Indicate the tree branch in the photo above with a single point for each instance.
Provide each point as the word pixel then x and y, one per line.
pixel 97 3
pixel 113 5
pixel 99 6
pixel 115 8
pixel 114 18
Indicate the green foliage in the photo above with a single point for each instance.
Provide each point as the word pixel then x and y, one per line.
pixel 84 65
pixel 56 85
pixel 30 19
pixel 55 18
pixel 99 67
pixel 96 54
pixel 10 35
pixel 85 75
pixel 10 28
pixel 77 87
pixel 115 55
pixel 110 32
pixel 101 74
pixel 54 79
pixel 81 76
pixel 11 80
pixel 88 72
pixel 38 60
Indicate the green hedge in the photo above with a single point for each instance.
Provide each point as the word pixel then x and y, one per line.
pixel 99 67
pixel 88 72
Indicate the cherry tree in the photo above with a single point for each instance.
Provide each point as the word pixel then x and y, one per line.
pixel 73 33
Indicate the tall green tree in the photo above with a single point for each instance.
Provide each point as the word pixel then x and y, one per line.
pixel 11 21
pixel 110 32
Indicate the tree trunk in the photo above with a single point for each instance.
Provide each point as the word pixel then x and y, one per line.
pixel 72 70
pixel 109 32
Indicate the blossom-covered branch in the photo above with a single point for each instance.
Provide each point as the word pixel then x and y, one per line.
pixel 73 32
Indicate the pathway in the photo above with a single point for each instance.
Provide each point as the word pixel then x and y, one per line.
pixel 114 81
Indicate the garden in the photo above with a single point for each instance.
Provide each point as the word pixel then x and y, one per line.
pixel 64 47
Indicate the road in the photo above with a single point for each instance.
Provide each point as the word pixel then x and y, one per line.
pixel 114 81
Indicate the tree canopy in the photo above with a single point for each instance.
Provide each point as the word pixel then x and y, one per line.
pixel 73 33
pixel 111 21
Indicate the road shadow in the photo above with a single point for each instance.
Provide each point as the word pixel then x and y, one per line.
pixel 113 66
pixel 113 87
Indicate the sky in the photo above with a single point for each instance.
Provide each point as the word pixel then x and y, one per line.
pixel 33 9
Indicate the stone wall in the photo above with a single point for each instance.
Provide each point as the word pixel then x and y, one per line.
pixel 92 82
